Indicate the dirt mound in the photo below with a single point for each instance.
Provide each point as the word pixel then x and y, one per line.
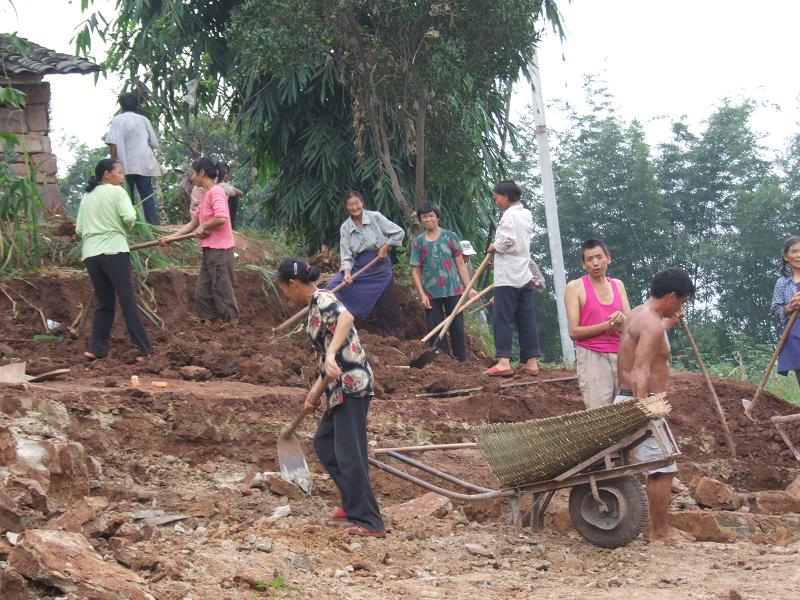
pixel 250 353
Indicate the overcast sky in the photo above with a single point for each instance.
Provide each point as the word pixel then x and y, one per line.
pixel 659 58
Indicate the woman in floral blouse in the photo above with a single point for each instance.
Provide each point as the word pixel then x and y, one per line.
pixel 786 300
pixel 341 438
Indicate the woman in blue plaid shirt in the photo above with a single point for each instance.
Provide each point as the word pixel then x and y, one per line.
pixel 786 300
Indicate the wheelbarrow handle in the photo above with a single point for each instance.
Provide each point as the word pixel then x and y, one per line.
pixel 302 312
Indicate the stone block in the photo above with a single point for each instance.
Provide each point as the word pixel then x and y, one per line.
pixel 33 143
pixel 278 485
pixel 12 120
pixel 794 488
pixel 423 507
pixel 79 514
pixel 702 525
pixel 775 502
pixel 35 93
pixel 13 586
pixel 37 118
pixel 67 561
pixel 51 197
pixel 46 165
pixel 10 515
pixel 713 494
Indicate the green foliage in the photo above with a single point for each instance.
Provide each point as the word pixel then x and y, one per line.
pixel 20 203
pixel 72 184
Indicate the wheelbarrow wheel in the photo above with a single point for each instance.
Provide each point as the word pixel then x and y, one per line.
pixel 622 518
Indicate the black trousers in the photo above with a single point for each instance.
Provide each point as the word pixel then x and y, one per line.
pixel 233 210
pixel 111 276
pixel 390 312
pixel 147 196
pixel 440 309
pixel 515 308
pixel 341 446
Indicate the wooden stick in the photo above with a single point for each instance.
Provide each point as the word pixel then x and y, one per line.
pixel 152 243
pixel 477 297
pixel 466 391
pixel 449 320
pixel 721 413
pixel 302 312
pixel 751 407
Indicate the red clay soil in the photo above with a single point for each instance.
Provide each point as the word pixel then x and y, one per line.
pixel 250 353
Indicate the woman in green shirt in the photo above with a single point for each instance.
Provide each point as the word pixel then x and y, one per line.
pixel 104 216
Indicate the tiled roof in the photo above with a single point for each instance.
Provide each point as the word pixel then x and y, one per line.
pixel 18 56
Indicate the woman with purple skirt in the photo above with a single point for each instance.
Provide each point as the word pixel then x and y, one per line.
pixel 363 236
pixel 785 301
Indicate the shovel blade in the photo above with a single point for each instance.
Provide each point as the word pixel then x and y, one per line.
pixel 292 461
pixel 423 360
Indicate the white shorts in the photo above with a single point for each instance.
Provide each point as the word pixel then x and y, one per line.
pixel 649 449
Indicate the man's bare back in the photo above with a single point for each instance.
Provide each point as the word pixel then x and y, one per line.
pixel 643 359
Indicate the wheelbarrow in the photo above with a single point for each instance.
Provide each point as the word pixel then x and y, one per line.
pixel 607 502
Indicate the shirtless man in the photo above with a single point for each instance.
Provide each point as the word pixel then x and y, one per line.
pixel 643 364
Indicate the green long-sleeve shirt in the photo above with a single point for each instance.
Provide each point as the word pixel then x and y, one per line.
pixel 104 216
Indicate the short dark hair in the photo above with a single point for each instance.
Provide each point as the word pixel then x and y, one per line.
pixel 593 243
pixel 298 268
pixel 669 280
pixel 509 189
pixel 207 165
pixel 428 207
pixel 352 193
pixel 128 101
pixel 790 241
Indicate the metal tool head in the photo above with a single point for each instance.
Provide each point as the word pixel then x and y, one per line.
pixel 292 461
pixel 424 359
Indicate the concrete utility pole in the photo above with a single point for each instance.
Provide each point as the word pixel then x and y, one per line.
pixel 551 212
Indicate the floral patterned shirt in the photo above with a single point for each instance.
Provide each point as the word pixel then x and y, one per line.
pixel 437 261
pixel 356 379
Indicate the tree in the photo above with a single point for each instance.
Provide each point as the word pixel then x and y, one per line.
pixel 342 94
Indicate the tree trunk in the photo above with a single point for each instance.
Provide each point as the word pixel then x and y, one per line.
pixel 419 184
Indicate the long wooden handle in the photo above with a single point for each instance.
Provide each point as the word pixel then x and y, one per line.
pixel 302 312
pixel 317 390
pixel 152 243
pixel 710 386
pixel 449 320
pixel 749 410
pixel 466 305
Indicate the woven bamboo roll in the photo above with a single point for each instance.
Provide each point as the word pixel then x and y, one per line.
pixel 538 450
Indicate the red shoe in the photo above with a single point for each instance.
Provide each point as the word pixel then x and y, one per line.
pixel 364 532
pixel 338 514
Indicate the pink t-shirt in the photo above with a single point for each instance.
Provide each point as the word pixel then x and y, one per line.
pixel 215 204
pixel 594 312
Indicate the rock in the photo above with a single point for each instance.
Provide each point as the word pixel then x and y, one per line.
pixel 478 550
pixel 6 350
pixel 702 525
pixel 423 507
pixel 67 561
pixel 713 494
pixel 79 514
pixel 136 559
pixel 263 544
pixel 13 586
pixel 10 514
pixel 614 582
pixel 794 488
pixel 195 372
pixel 775 502
pixel 279 513
pixel 734 595
pixel 342 572
pixel 204 508
pixel 299 562
pixel 278 485
pixel 157 517
pixel 29 493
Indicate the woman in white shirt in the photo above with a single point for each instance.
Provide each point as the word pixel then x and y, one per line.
pixel 514 300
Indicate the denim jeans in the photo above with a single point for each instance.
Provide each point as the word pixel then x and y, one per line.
pixel 147 196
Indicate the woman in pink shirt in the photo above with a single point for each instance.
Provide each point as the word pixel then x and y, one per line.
pixel 212 224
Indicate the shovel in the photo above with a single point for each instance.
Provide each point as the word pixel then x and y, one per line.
pixel 750 405
pixel 291 459
pixel 427 357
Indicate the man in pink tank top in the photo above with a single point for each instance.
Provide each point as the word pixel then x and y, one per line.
pixel 597 306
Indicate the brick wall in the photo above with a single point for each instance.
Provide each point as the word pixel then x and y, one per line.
pixel 31 125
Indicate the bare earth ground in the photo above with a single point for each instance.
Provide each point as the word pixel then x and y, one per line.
pixel 186 449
